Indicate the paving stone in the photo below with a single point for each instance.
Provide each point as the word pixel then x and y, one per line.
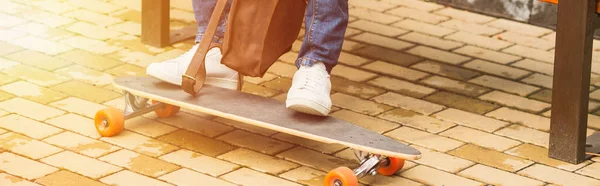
pixel 379 180
pixel 401 86
pixel 247 127
pixel 590 170
pixel 64 177
pixel 81 164
pixel 556 176
pixel 352 74
pixel 539 80
pixel 461 102
pixel 373 15
pixel 126 177
pixel 255 142
pixel 26 146
pixel 350 46
pixel 395 70
pixel 486 54
pixel 195 142
pixel 540 155
pixel 544 95
pixel 454 86
pixel 199 162
pixel 351 60
pixel 464 15
pixel 424 28
pixel 8 35
pixel 496 69
pixel 417 15
pixel 9 21
pixel 471 120
pixel 28 127
pixel 40 45
pixel 86 91
pixel 532 53
pixel 92 31
pixel 96 6
pixel 245 176
pixel 424 139
pixel 368 122
pixel 5 96
pixel 431 176
pixel 371 4
pixel 520 28
pixel 141 144
pixel 497 177
pixel 93 17
pixel 430 41
pixel 473 28
pixel 91 45
pixel 523 118
pixel 75 123
pixel 416 4
pixel 78 106
pixel 419 121
pixel 32 92
pixel 446 70
pixel 491 158
pixel 46 18
pixel 358 105
pixel 315 159
pixel 139 59
pixel 480 138
pixel 195 124
pixel 305 175
pixel 505 85
pixel 259 90
pixel 408 103
pixel 23 167
pixel 5 79
pixel 140 164
pixel 257 161
pixel 38 60
pixel 438 55
pixel 441 161
pixel 90 60
pixel 35 75
pixel 7 179
pixel 81 144
pixel 188 177
pixel 376 27
pixel 515 101
pixel 382 41
pixel 353 88
pixel 387 55
pixel 478 40
pixel 6 49
pixel 258 80
pixel 526 40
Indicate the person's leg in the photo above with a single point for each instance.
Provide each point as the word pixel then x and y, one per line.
pixel 217 74
pixel 325 24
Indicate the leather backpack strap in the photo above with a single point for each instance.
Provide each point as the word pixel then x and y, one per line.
pixel 194 77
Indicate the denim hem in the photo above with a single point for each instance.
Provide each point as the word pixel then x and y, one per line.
pixel 216 39
pixel 306 61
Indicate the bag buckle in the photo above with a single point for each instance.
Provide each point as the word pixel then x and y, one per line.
pixel 189 77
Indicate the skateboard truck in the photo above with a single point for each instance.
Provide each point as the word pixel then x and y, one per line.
pixel 111 121
pixel 370 164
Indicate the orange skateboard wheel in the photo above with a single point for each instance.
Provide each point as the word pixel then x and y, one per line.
pixel 393 166
pixel 166 111
pixel 341 176
pixel 109 122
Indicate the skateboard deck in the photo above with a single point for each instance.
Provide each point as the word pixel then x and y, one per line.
pixel 267 113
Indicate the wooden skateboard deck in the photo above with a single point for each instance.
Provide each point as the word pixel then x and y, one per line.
pixel 267 113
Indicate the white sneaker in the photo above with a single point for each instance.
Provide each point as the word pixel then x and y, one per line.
pixel 310 91
pixel 217 74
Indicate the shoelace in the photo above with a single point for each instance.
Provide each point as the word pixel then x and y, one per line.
pixel 314 81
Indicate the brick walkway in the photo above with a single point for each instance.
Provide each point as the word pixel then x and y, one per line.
pixel 471 92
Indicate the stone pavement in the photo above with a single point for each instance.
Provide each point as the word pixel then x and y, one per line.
pixel 471 92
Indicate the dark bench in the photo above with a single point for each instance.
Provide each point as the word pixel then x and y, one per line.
pixel 156 21
pixel 577 21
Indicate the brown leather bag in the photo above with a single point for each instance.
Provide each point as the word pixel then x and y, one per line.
pixel 258 32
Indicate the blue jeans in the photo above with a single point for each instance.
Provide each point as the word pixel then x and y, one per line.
pixel 325 21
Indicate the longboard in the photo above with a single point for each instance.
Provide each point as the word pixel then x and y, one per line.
pixel 267 113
